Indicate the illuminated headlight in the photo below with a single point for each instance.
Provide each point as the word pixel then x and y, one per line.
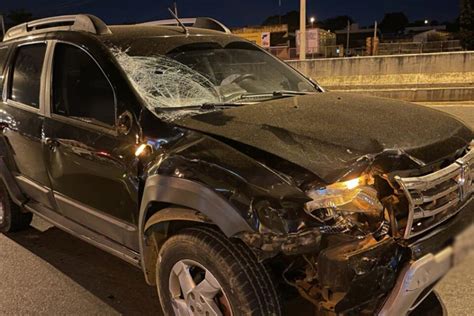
pixel 353 196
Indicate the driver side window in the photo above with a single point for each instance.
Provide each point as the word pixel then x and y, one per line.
pixel 80 88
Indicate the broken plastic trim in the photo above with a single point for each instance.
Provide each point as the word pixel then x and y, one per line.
pixel 292 244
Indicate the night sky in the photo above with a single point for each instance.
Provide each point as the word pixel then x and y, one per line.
pixel 237 12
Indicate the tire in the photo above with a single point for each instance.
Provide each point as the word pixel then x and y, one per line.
pixel 12 219
pixel 246 286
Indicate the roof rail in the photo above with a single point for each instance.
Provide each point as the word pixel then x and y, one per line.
pixel 200 22
pixel 79 22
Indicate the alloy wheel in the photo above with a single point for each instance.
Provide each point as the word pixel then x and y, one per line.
pixel 195 291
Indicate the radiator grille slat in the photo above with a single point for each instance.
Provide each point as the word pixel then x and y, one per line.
pixel 421 213
pixel 435 197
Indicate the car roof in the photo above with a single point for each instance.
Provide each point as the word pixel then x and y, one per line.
pixel 141 30
pixel 92 25
pixel 145 39
pixel 150 40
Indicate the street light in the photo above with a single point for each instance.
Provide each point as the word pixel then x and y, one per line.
pixel 312 20
pixel 426 22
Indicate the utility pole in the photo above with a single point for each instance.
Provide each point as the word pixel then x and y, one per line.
pixel 374 45
pixel 279 12
pixel 348 36
pixel 302 29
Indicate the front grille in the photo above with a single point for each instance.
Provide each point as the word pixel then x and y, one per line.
pixel 434 198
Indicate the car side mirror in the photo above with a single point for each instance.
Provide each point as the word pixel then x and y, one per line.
pixel 125 123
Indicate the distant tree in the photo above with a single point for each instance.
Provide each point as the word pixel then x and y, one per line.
pixel 394 22
pixel 336 23
pixel 452 26
pixel 16 17
pixel 292 19
pixel 466 21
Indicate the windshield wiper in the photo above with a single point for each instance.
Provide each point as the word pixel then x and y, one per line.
pixel 274 94
pixel 204 106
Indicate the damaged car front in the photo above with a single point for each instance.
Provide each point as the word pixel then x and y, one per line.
pixel 359 203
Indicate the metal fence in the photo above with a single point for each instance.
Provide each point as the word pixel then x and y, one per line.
pixel 287 53
pixel 418 47
pixel 290 53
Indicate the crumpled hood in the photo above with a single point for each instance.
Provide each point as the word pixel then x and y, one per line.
pixel 328 133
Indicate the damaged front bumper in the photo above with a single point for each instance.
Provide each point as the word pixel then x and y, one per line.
pixel 416 281
pixel 419 277
pixel 389 277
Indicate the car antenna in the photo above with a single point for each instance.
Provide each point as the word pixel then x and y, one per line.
pixel 186 31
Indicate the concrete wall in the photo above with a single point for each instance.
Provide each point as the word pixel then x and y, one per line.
pixel 424 77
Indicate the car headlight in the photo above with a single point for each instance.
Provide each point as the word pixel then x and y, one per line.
pixel 356 196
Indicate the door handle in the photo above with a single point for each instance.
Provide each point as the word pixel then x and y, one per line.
pixel 51 143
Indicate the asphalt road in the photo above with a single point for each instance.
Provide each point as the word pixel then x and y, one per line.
pixel 44 271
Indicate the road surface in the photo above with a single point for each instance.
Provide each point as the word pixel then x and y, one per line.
pixel 44 271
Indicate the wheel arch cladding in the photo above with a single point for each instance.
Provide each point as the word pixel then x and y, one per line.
pixel 196 203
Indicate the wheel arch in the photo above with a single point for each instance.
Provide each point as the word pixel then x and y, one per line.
pixel 171 202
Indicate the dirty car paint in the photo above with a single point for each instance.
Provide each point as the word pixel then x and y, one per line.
pixel 331 133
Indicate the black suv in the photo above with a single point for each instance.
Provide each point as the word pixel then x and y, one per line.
pixel 231 180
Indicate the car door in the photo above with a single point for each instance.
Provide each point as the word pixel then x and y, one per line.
pixel 21 120
pixel 91 166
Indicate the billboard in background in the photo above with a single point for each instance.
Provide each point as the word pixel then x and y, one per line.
pixel 265 39
pixel 255 38
pixel 261 35
pixel 312 41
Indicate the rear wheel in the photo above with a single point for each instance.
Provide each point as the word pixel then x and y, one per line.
pixel 201 272
pixel 12 219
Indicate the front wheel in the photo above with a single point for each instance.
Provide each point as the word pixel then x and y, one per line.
pixel 12 219
pixel 201 272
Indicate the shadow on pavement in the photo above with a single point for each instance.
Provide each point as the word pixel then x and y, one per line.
pixel 118 284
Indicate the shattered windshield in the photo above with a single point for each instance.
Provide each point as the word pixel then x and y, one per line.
pixel 191 75
pixel 165 82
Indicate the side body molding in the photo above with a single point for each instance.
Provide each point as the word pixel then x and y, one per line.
pixel 189 194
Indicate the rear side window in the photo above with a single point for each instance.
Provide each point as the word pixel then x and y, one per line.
pixel 26 78
pixel 80 88
pixel 3 59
